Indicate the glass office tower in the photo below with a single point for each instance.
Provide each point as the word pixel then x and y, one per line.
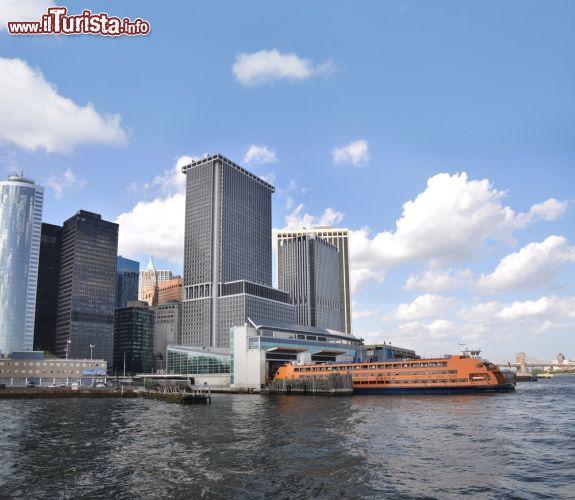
pixel 127 279
pixel 21 204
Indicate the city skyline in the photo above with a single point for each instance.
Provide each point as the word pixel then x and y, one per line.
pixel 447 154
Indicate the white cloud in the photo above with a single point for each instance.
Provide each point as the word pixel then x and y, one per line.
pixel 449 222
pixel 480 311
pixel 266 66
pixel 296 219
pixel 157 226
pixel 260 155
pixel 355 153
pixel 63 181
pixel 34 116
pixel 22 10
pixel 364 313
pixel 551 308
pixel 440 328
pixel 170 181
pixel 359 276
pixel 439 280
pixel 534 265
pixel 550 209
pixel 424 306
pixel 518 320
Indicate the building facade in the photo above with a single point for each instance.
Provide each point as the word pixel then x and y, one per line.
pixel 134 338
pixel 21 203
pixel 167 330
pixel 47 294
pixel 227 252
pixel 170 290
pixel 150 279
pixel 339 238
pixel 127 279
pixel 309 270
pixel 259 349
pixel 32 366
pixel 87 287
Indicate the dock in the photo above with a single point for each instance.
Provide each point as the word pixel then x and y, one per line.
pixel 178 394
pixel 330 385
pixel 64 392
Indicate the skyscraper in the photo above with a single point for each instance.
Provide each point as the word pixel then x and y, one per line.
pixel 339 238
pixel 21 204
pixel 47 296
pixel 87 287
pixel 309 270
pixel 134 337
pixel 127 278
pixel 227 252
pixel 150 279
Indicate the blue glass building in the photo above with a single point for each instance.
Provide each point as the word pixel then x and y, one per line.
pixel 127 278
pixel 21 204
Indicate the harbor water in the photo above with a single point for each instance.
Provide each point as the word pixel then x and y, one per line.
pixel 518 445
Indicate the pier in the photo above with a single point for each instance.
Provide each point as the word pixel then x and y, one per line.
pixel 178 394
pixel 64 392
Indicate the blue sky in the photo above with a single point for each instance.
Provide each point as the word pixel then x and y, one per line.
pixel 465 109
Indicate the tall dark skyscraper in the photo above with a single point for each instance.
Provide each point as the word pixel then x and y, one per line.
pixel 87 287
pixel 227 252
pixel 127 278
pixel 47 296
pixel 309 270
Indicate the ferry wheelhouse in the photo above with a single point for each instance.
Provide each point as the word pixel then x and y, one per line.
pixel 457 374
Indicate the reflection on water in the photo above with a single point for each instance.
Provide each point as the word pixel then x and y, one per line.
pixel 491 446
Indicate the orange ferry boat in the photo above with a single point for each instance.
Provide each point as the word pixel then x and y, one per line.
pixel 457 374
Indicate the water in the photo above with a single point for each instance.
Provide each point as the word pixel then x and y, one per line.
pixel 518 445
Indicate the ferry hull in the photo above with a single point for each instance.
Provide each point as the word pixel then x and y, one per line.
pixel 476 389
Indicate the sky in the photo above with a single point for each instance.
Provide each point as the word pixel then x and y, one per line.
pixel 441 133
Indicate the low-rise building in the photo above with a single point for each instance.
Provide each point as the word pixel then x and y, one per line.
pixel 32 366
pixel 259 348
pixel 203 366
